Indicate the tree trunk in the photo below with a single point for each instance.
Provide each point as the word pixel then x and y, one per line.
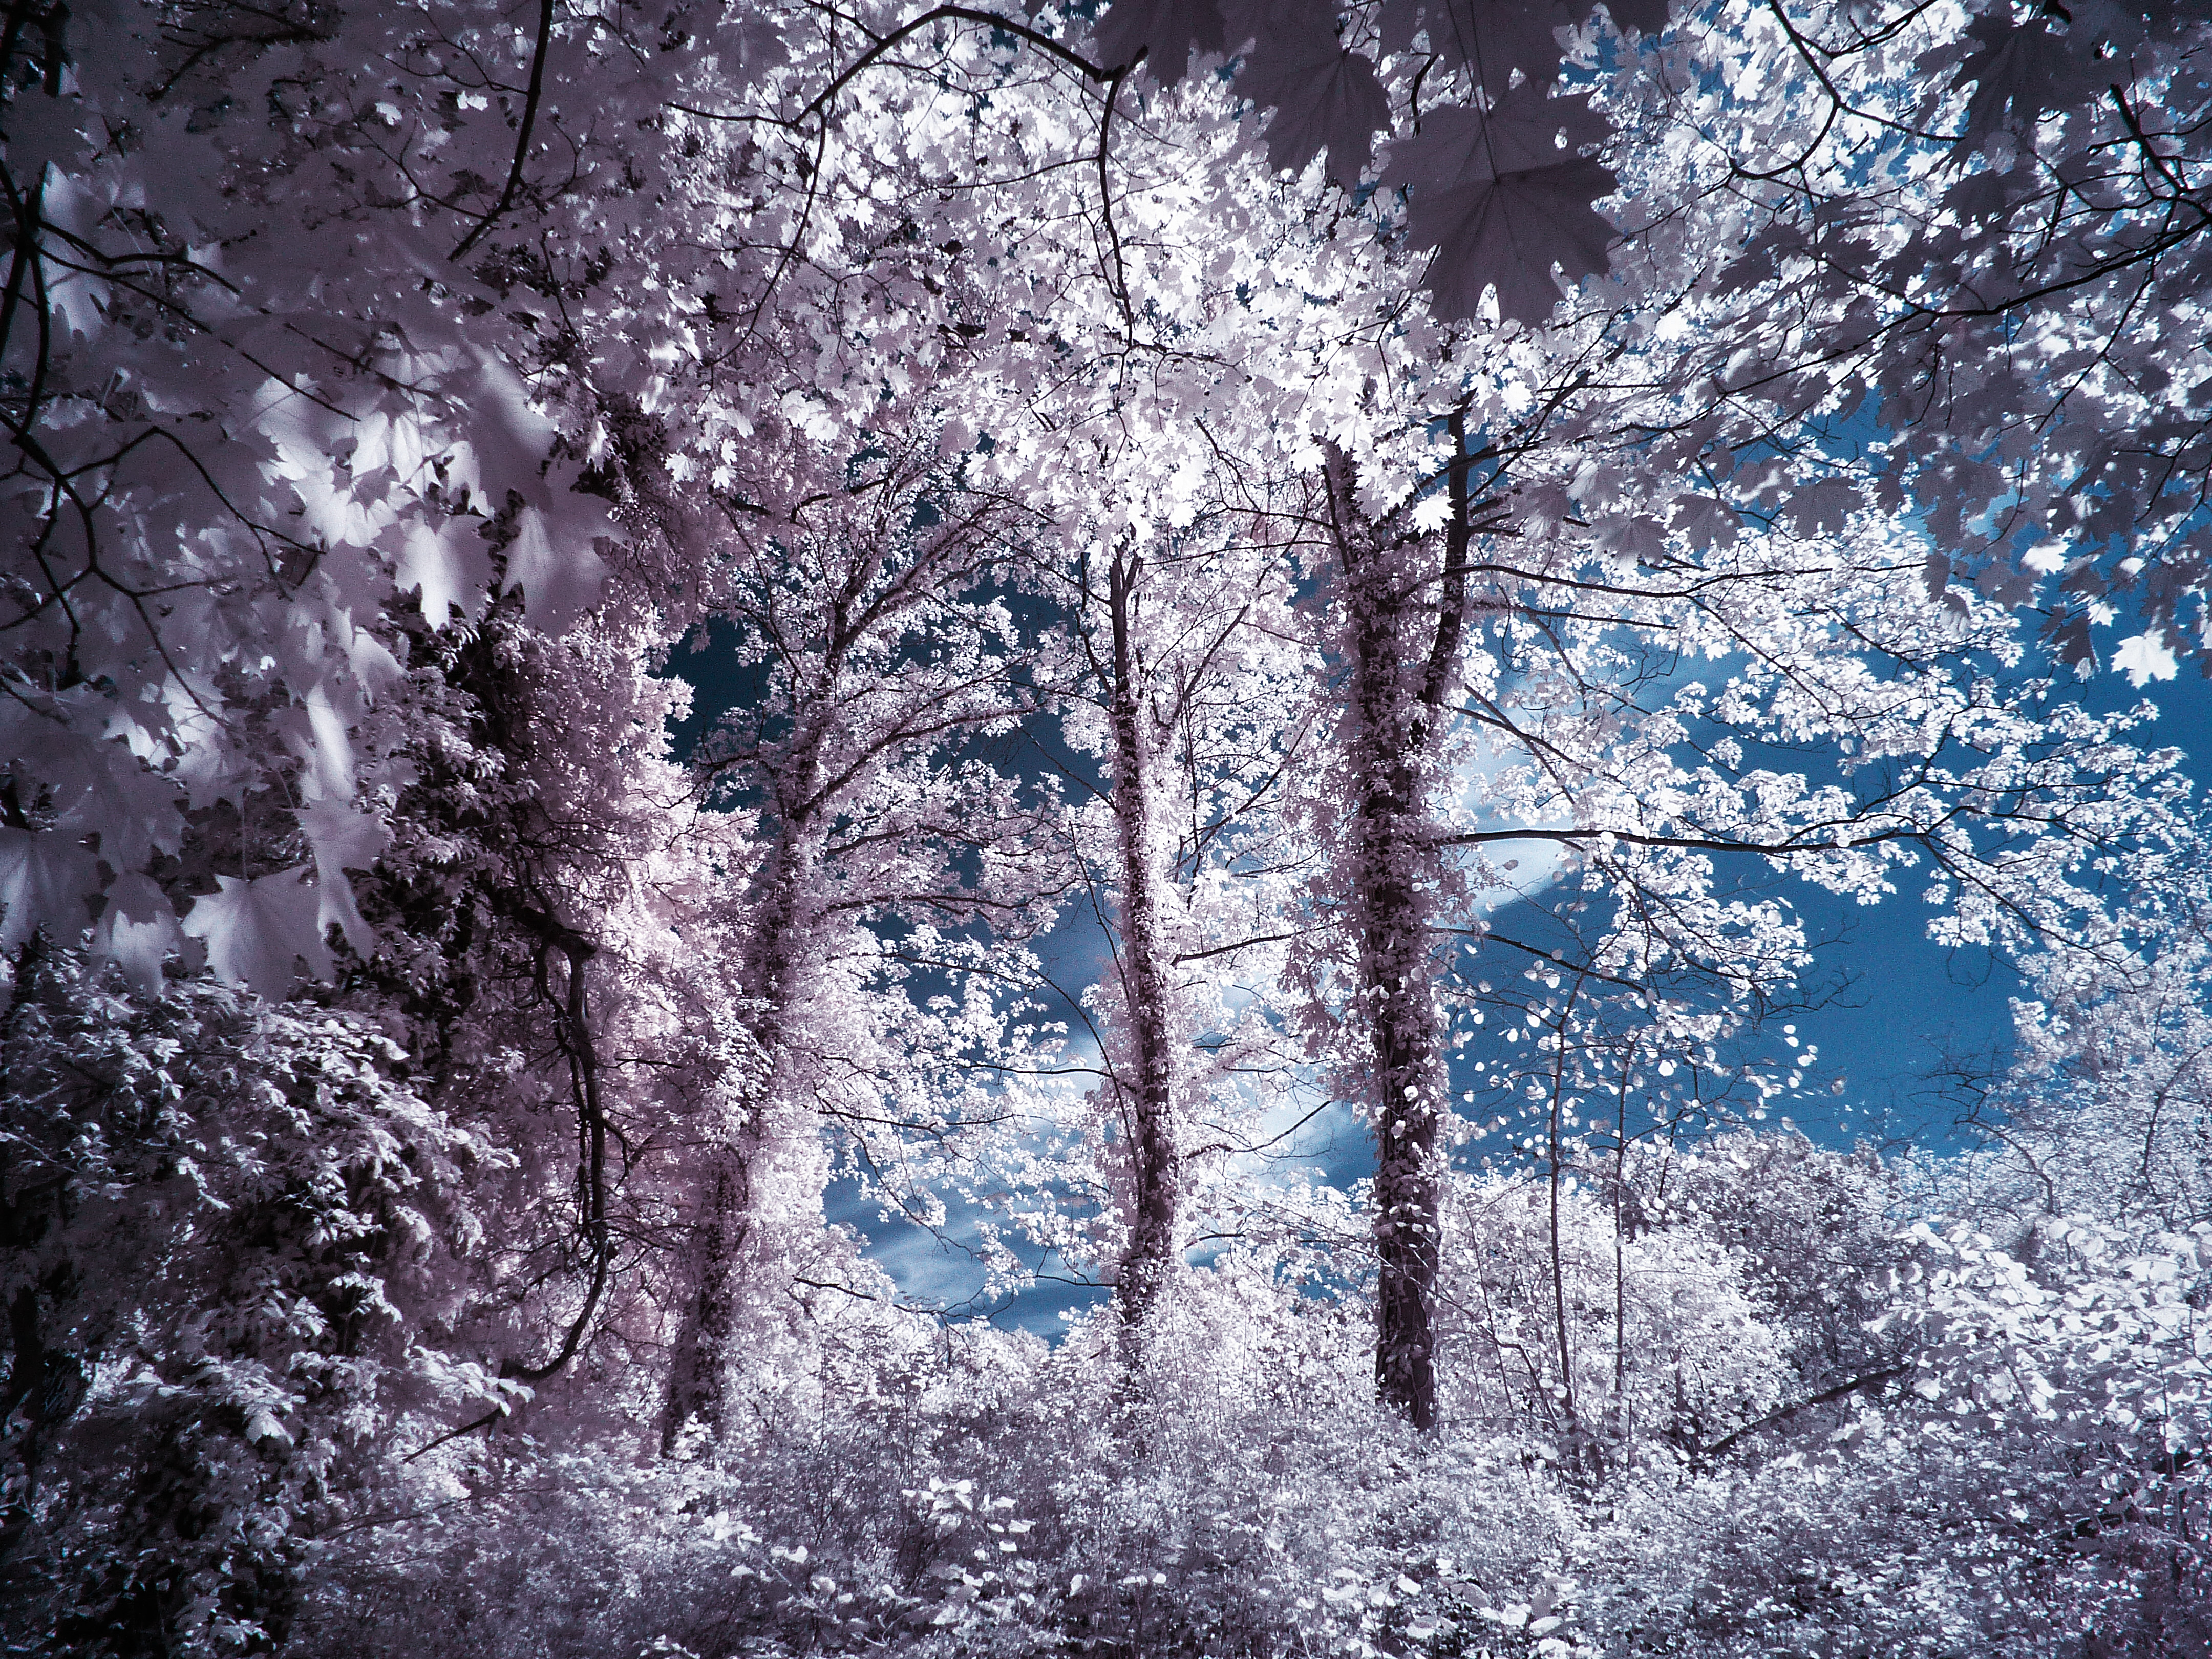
pixel 1147 1083
pixel 1396 694
pixel 699 1379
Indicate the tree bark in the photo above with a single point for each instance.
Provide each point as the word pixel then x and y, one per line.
pixel 1396 692
pixel 1147 1084
pixel 699 1378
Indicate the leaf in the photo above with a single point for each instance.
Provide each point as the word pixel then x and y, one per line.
pixel 78 299
pixel 326 747
pixel 1458 144
pixel 2018 72
pixel 1502 196
pixel 1707 522
pixel 1987 195
pixel 747 45
pixel 256 931
pixel 557 584
pixel 1646 16
pixel 138 930
pixel 343 838
pixel 450 565
pixel 1636 537
pixel 1324 97
pixel 1493 38
pixel 44 879
pixel 1761 259
pixel 1936 574
pixel 263 1425
pixel 508 440
pixel 1823 506
pixel 2096 24
pixel 2145 658
pixel 1167 32
pixel 1511 231
pixel 375 670
pixel 1397 21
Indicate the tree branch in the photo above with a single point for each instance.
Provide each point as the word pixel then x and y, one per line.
pixel 522 138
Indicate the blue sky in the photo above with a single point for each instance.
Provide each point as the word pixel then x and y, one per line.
pixel 1902 1010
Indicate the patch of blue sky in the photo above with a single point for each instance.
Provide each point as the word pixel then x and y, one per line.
pixel 1900 1029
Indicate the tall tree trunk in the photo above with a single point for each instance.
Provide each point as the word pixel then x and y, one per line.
pixel 1396 696
pixel 1147 1084
pixel 698 1379
pixel 703 1356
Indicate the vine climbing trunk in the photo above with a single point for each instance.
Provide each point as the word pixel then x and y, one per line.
pixel 1397 682
pixel 1147 1084
pixel 704 1353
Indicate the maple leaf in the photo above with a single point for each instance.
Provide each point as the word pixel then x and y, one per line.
pixel 1980 196
pixel 2068 636
pixel 2145 658
pixel 2112 24
pixel 747 45
pixel 1493 38
pixel 343 838
pixel 1509 232
pixel 1502 196
pixel 1324 97
pixel 509 437
pixel 1636 538
pixel 1822 507
pixel 449 565
pixel 557 584
pixel 1646 16
pixel 136 930
pixel 1707 522
pixel 256 932
pixel 43 880
pixel 1167 32
pixel 2018 72
pixel 1457 144
pixel 1499 36
pixel 1397 21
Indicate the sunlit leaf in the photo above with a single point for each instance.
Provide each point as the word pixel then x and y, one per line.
pixel 558 582
pixel 343 838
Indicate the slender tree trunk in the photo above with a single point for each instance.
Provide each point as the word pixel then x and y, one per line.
pixel 1554 1177
pixel 1624 1426
pixel 1396 695
pixel 1147 1084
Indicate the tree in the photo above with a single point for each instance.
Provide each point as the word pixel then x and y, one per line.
pixel 229 1227
pixel 1192 660
pixel 1399 650
pixel 1977 232
pixel 882 650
